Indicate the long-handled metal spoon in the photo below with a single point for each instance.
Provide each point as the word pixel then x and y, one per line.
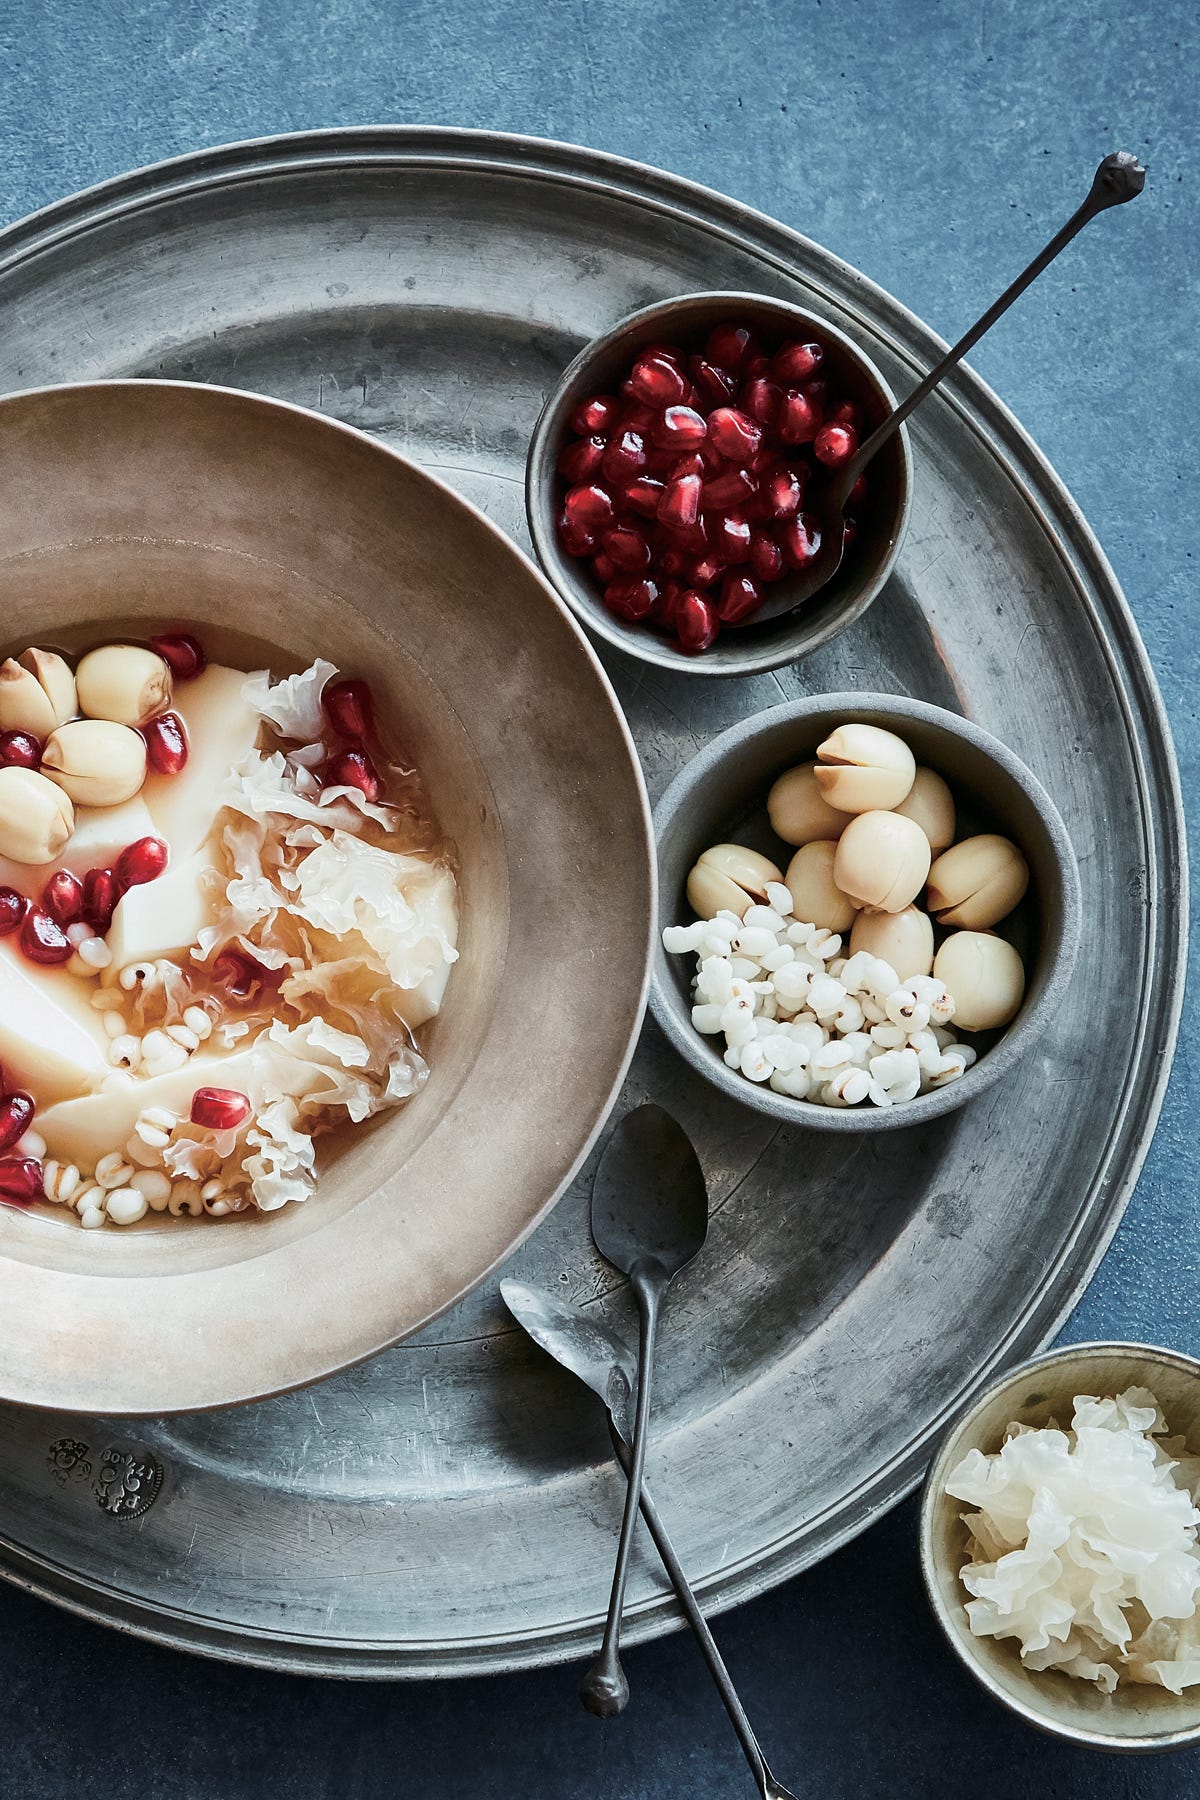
pixel 604 1361
pixel 1120 177
pixel 649 1218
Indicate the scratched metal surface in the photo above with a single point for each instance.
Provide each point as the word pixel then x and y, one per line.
pixel 451 1507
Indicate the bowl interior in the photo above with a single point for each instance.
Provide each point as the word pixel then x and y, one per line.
pixel 280 537
pixel 1135 1716
pixel 600 368
pixel 721 798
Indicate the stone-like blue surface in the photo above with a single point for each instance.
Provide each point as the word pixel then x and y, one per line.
pixel 931 145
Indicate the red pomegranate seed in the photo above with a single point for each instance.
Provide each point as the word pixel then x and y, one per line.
pixel 691 464
pixel 798 419
pixel 695 623
pixel 766 558
pixel 20 750
pixel 588 508
pixel 657 380
pixel 634 417
pixel 800 539
pixel 795 363
pixel 835 444
pixel 663 610
pixel 580 459
pixel 671 352
pixel 141 862
pixel 604 568
pixel 673 562
pixel 183 654
pixel 575 540
pixel 762 399
pixel 350 708
pixel 740 596
pixel 101 891
pixel 680 503
pixel 691 539
pixel 631 600
pixel 729 536
pixel 845 413
pixel 16 1116
pixel 704 573
pixel 714 386
pixel 166 743
pixel 43 939
pixel 239 974
pixel 595 415
pixel 219 1109
pixel 729 344
pixel 733 489
pixel 858 492
pixel 643 495
pixel 20 1179
pixel 680 428
pixel 627 549
pixel 624 459
pixel 734 434
pixel 353 768
pixel 782 492
pixel 12 910
pixel 62 898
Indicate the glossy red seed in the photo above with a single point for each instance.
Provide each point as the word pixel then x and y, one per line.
pixel 691 539
pixel 695 622
pixel 714 386
pixel 761 399
pixel 740 597
pixel 20 750
pixel 679 428
pixel 672 562
pixel 575 540
pixel 844 413
pixel 733 489
pixel 634 416
pixel 580 458
pixel 603 568
pixel 101 891
pixel 798 420
pixel 239 974
pixel 643 495
pixel 658 381
pixel 627 549
pixel 766 558
pixel 219 1109
pixel 624 459
pixel 680 503
pixel 595 414
pixel 729 538
pixel 734 434
pixel 794 363
pixel 353 768
pixel 141 862
pixel 20 1179
pixel 673 353
pixel 183 654
pixel 691 464
pixel 782 492
pixel 800 539
pixel 62 898
pixel 663 610
pixel 729 344
pixel 12 910
pixel 588 507
pixel 631 599
pixel 703 573
pixel 166 743
pixel 43 939
pixel 16 1116
pixel 835 444
pixel 858 492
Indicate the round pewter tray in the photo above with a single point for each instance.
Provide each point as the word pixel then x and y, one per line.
pixel 451 1507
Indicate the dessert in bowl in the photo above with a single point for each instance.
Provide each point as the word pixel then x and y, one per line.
pixel 313 568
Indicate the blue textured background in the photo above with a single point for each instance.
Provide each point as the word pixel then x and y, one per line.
pixel 931 145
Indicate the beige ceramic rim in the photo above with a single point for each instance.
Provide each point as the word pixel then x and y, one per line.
pixel 151 1332
pixel 941 1580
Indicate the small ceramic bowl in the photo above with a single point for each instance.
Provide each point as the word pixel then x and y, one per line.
pixel 720 797
pixel 1135 1717
pixel 602 365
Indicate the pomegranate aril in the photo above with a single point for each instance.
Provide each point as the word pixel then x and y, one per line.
pixel 704 573
pixel 766 558
pixel 575 540
pixel 695 622
pixel 634 416
pixel 627 549
pixel 20 750
pixel 183 654
pixel 141 862
pixel 800 539
pixel 43 939
pixel 166 743
pixel 219 1109
pixel 729 538
pixel 733 489
pixel 12 910
pixel 624 459
pixel 353 768
pixel 20 1179
pixel 729 344
pixel 714 386
pixel 782 493
pixel 679 428
pixel 604 568
pixel 62 898
pixel 680 503
pixel 740 596
pixel 671 353
pixel 735 435
pixel 101 891
pixel 588 507
pixel 691 539
pixel 658 381
pixel 580 459
pixel 795 363
pixel 663 610
pixel 631 599
pixel 16 1116
pixel 798 420
pixel 761 399
pixel 845 413
pixel 691 464
pixel 858 492
pixel 240 975
pixel 643 495
pixel 835 445
pixel 595 414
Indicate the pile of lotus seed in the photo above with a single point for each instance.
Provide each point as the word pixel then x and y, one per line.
pixel 839 1024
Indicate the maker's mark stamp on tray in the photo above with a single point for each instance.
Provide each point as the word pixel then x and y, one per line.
pixel 127 1482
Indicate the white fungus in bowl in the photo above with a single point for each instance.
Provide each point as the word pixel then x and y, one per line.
pixel 1083 1548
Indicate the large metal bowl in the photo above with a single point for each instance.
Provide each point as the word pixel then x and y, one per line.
pixel 279 534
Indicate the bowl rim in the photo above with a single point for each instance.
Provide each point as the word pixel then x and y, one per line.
pixel 251 1386
pixel 1059 1356
pixel 1008 1049
pixel 645 646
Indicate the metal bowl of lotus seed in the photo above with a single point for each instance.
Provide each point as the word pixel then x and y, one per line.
pixel 869 910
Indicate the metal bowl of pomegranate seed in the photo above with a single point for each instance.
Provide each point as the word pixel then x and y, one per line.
pixel 672 473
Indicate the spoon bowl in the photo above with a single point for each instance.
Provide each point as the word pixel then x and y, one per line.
pixel 649 1198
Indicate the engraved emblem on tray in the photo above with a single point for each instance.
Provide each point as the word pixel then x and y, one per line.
pixel 127 1482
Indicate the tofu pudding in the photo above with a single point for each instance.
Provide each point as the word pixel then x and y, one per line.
pixel 225 917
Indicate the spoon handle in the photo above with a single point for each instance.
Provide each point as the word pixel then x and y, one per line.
pixel 1120 177
pixel 604 1689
